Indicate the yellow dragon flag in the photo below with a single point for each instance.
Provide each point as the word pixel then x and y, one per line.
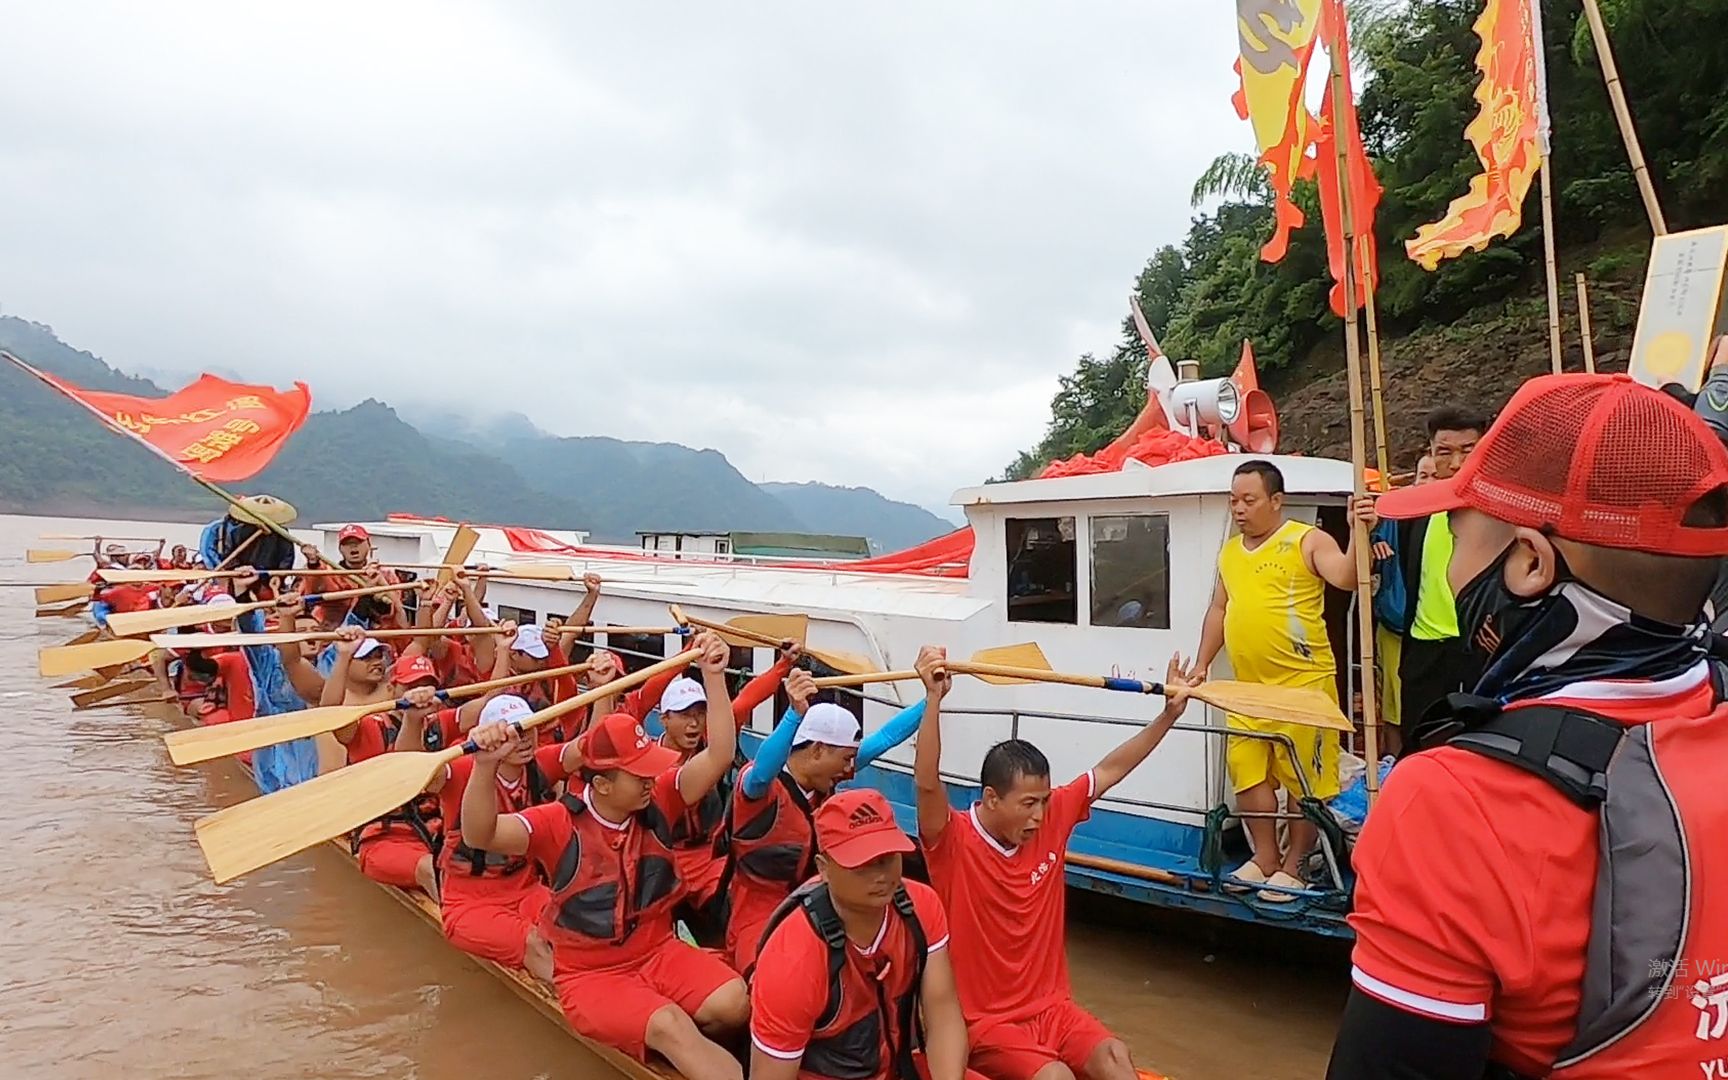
pixel 1277 39
pixel 1510 134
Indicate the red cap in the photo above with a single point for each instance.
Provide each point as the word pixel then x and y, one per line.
pixel 854 827
pixel 1598 459
pixel 618 742
pixel 412 668
pixel 352 532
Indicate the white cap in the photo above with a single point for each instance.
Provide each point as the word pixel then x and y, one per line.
pixel 367 648
pixel 221 600
pixel 529 640
pixel 503 709
pixel 683 693
pixel 828 724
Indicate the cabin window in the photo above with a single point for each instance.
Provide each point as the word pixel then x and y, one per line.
pixel 740 667
pixel 518 615
pixel 1131 571
pixel 637 650
pixel 1041 570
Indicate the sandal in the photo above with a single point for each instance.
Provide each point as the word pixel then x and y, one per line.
pixel 1278 895
pixel 1249 872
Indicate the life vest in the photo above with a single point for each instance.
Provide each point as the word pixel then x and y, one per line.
pixel 1655 989
pixel 776 842
pixel 704 825
pixel 420 815
pixel 475 862
pixel 846 1040
pixel 600 900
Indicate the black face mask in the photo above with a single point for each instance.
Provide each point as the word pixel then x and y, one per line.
pixel 1492 618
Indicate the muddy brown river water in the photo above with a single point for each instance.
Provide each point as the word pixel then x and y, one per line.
pixel 119 957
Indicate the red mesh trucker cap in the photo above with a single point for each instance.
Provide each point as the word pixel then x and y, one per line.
pixel 1597 459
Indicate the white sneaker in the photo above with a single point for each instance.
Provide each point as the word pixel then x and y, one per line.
pixel 1283 881
pixel 1250 872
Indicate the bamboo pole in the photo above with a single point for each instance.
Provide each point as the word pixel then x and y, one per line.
pixel 1551 262
pixel 1381 463
pixel 1623 115
pixel 1584 325
pixel 1358 451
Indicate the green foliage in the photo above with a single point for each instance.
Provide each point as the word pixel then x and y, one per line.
pixel 1416 74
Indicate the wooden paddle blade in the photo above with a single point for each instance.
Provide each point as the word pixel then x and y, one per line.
pixel 849 663
pixel 85 638
pixel 155 699
pixel 70 590
pixel 774 627
pixel 190 746
pixel 140 623
pixel 260 831
pixel 70 659
pixel 112 690
pixel 1025 655
pixel 82 682
pixel 533 571
pixel 461 546
pixel 70 609
pixel 50 555
pixel 1282 704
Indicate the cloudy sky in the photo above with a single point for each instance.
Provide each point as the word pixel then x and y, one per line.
pixel 850 243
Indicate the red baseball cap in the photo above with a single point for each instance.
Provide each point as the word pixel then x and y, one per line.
pixel 352 532
pixel 618 742
pixel 1598 459
pixel 412 668
pixel 854 827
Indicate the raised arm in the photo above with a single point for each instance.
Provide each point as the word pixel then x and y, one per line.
pixel 1121 761
pixel 777 747
pixel 905 723
pixel 468 713
pixel 762 687
pixel 482 826
pixel 582 616
pixel 1323 556
pixel 933 810
pixel 699 775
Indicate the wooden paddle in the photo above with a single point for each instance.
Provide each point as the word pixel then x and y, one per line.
pixel 82 682
pixel 523 571
pixel 116 539
pixel 70 609
pixel 86 637
pixel 42 555
pixel 456 555
pixel 1027 655
pixel 112 690
pixel 1283 704
pixel 70 590
pixel 61 660
pixel 153 700
pixel 193 745
pixel 139 623
pixel 774 631
pixel 261 831
pixel 240 641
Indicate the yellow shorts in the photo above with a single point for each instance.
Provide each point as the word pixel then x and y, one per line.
pixel 1253 761
pixel 1388 649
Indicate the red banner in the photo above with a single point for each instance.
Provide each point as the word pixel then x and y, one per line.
pixel 214 429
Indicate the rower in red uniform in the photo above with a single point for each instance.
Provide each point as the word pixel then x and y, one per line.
pixel 999 870
pixel 854 981
pixel 491 903
pixel 354 545
pixel 397 848
pixel 223 677
pixel 622 975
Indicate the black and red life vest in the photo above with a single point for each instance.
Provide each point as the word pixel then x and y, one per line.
pixel 476 862
pixel 602 891
pixel 774 839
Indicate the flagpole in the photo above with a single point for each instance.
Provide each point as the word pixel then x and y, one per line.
pixel 1584 326
pixel 1358 436
pixel 1551 261
pixel 1623 115
pixel 1377 396
pixel 108 421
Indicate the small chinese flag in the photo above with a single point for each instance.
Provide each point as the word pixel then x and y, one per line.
pixel 214 429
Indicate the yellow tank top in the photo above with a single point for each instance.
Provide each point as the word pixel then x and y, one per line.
pixel 1274 630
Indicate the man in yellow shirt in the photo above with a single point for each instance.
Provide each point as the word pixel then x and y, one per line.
pixel 1267 613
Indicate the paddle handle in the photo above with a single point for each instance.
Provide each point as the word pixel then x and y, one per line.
pixel 551 713
pixel 349 594
pixel 867 678
pixel 1101 682
pixel 682 619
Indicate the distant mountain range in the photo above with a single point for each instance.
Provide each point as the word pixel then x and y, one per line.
pixel 367 461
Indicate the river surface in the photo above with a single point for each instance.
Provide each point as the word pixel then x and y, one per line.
pixel 119 957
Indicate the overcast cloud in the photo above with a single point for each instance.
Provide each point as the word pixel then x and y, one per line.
pixel 849 243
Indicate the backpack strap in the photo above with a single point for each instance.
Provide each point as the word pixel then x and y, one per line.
pixel 1569 748
pixel 909 1034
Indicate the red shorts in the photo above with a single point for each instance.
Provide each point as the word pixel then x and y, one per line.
pixel 613 1005
pixel 744 939
pixel 393 858
pixel 494 927
pixel 1016 1050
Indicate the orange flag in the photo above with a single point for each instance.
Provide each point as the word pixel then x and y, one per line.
pixel 1276 39
pixel 214 429
pixel 1509 134
pixel 1338 120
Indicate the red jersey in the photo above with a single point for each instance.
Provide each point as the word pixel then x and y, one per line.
pixel 231 693
pixel 456 666
pixel 606 852
pixel 1008 908
pixel 128 598
pixel 375 735
pixel 456 863
pixel 1493 925
pixel 790 991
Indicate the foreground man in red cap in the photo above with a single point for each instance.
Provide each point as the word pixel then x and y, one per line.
pixel 853 960
pixel 1543 890
pixel 622 975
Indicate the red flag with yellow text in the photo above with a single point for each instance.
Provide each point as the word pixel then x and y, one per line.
pixel 214 429
pixel 1338 120
pixel 1508 134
